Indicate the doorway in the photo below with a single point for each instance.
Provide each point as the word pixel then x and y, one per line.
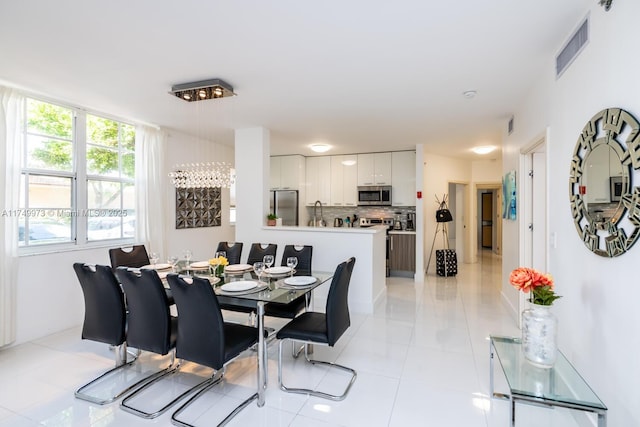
pixel 489 218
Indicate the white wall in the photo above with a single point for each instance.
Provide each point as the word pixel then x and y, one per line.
pixel 49 298
pixel 201 241
pixel 598 313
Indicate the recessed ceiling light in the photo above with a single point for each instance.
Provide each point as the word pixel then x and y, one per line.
pixel 483 149
pixel 469 94
pixel 320 148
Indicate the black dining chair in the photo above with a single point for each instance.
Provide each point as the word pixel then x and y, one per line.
pixel 295 307
pixel 205 338
pixel 132 256
pixel 233 251
pixel 322 328
pixel 304 253
pixel 259 250
pixel 105 317
pixel 150 325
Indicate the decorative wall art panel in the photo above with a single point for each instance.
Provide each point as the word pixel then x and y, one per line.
pixel 198 207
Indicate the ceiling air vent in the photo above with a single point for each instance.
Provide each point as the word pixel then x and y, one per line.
pixel 574 46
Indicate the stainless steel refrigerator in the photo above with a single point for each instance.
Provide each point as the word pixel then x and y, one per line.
pixel 284 203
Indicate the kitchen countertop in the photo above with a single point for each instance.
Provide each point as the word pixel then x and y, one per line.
pixel 356 230
pixel 402 232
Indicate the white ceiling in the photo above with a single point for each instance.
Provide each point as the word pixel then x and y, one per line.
pixel 361 75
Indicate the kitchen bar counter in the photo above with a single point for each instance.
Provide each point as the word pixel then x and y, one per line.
pixel 402 232
pixel 356 230
pixel 331 246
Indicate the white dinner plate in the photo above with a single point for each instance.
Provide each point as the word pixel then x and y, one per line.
pixel 157 266
pixel 240 286
pixel 278 270
pixel 199 264
pixel 300 280
pixel 238 267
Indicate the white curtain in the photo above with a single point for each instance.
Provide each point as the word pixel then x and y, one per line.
pixel 150 188
pixel 11 110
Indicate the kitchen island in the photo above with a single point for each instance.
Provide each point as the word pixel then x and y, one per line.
pixel 331 246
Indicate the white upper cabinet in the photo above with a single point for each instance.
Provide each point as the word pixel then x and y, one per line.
pixel 344 180
pixel 318 181
pixel 374 169
pixel 287 172
pixel 403 168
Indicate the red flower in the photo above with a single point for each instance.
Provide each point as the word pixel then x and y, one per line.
pixel 526 279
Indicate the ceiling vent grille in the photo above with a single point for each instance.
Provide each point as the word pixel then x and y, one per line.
pixel 574 46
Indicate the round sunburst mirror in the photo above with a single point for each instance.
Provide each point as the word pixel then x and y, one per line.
pixel 604 203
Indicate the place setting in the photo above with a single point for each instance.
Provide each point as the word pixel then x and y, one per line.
pixel 241 287
pixel 297 282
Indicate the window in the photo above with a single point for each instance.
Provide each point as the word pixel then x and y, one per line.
pixel 77 177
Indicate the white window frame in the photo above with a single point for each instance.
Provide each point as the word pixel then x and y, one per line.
pixel 79 198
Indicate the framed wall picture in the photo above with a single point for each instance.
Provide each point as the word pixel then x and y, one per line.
pixel 509 203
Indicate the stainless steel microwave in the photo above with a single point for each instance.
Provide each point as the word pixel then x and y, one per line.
pixel 371 195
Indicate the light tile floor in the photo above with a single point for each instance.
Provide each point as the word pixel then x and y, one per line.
pixel 422 359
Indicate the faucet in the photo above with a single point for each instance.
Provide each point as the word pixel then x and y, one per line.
pixel 317 223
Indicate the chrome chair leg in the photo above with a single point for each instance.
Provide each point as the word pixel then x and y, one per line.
pixel 236 411
pixel 121 362
pixel 354 374
pixel 213 380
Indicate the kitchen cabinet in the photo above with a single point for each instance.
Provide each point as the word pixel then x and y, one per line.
pixel 402 252
pixel 344 181
pixel 403 178
pixel 374 169
pixel 287 172
pixel 318 180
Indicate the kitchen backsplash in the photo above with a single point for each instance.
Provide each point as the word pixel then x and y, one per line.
pixel 332 212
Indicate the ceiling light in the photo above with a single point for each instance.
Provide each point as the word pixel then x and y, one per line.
pixel 483 149
pixel 205 89
pixel 320 148
pixel 469 94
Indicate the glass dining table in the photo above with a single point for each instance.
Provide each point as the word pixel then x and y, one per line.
pixel 241 287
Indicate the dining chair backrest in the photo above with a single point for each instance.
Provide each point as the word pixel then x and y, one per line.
pixel 149 324
pixel 200 327
pixel 337 310
pixel 104 307
pixel 233 250
pixel 134 256
pixel 257 252
pixel 304 255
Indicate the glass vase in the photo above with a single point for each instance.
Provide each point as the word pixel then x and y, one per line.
pixel 540 335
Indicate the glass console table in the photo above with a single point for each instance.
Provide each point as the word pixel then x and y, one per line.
pixel 560 386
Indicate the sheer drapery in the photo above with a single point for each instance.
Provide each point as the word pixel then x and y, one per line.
pixel 11 111
pixel 150 188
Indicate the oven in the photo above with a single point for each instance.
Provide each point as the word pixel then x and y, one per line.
pixel 374 195
pixel 388 222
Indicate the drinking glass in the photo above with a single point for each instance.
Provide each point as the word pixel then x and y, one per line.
pixel 259 267
pixel 173 260
pixel 153 258
pixel 187 256
pixel 291 263
pixel 268 260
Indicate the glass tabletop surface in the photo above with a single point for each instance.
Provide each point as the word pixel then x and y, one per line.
pixel 561 383
pixel 272 289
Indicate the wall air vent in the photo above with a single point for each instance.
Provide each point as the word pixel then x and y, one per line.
pixel 574 46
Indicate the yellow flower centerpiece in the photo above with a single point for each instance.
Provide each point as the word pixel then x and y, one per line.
pixel 217 265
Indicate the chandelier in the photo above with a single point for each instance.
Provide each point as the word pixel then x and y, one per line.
pixel 202 175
